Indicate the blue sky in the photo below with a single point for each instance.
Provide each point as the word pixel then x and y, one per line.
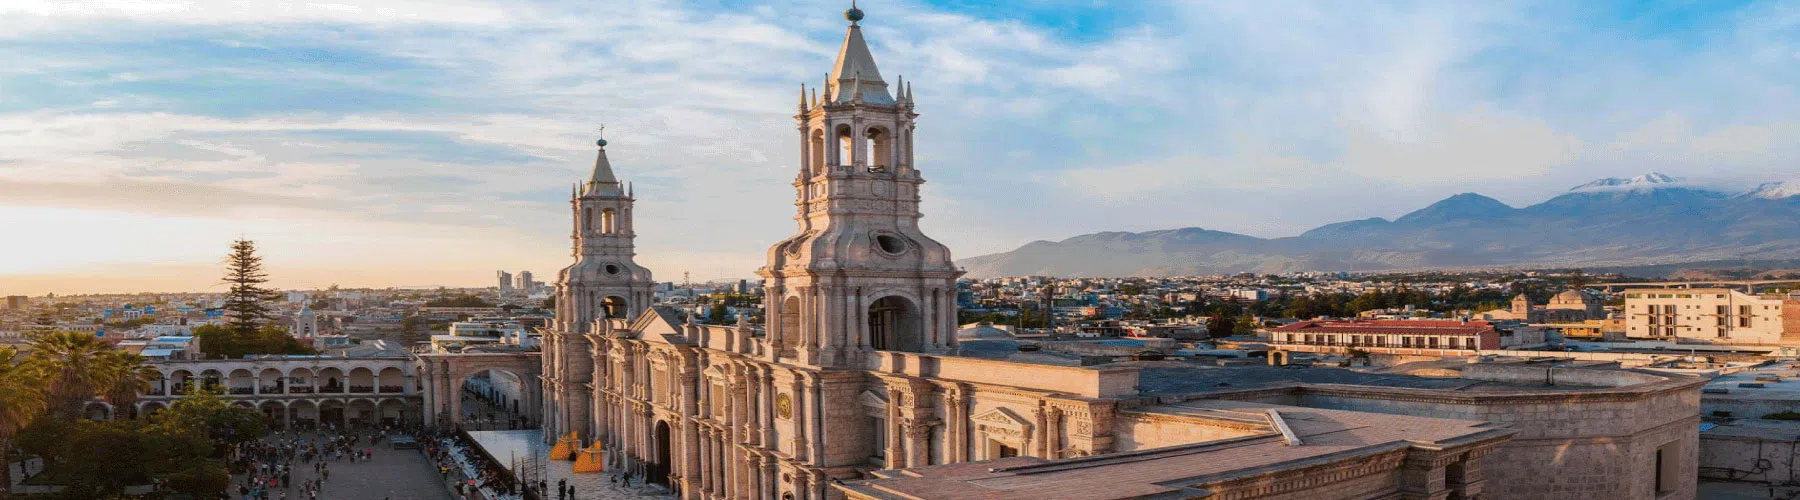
pixel 415 142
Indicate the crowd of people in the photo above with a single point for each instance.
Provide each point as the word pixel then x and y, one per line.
pixel 278 465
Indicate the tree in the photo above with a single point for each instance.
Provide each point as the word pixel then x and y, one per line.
pixel 1246 325
pixel 464 300
pixel 1220 326
pixel 717 314
pixel 245 304
pixel 72 363
pixel 21 400
pixel 223 342
pixel 123 376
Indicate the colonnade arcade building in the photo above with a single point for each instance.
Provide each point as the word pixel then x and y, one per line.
pixel 857 384
pixel 295 391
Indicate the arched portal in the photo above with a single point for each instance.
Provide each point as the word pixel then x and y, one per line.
pixel 275 414
pixel 304 414
pixel 362 380
pixel 331 381
pixel 391 411
pixel 879 147
pixel 894 325
pixel 392 380
pixel 300 381
pixel 614 306
pixel 846 140
pixel 658 471
pixel 332 412
pixel 496 399
pixel 361 413
pixel 271 381
pixel 181 382
pixel 210 379
pixel 151 407
pixel 97 410
pixel 241 382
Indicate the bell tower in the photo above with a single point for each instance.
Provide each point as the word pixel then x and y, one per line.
pixel 604 282
pixel 858 276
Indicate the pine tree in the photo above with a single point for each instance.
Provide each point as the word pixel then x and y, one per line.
pixel 245 306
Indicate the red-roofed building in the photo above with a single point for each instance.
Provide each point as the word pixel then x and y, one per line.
pixel 1422 334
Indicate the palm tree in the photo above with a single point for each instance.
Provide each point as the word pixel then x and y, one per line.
pixel 123 377
pixel 21 400
pixel 74 364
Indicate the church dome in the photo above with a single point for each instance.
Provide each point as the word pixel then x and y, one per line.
pixel 982 331
pixel 1570 296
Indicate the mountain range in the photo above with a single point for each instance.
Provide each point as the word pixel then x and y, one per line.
pixel 1648 219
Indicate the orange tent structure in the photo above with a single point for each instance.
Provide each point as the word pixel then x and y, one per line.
pixel 565 447
pixel 590 459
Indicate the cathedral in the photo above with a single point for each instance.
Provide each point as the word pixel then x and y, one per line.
pixel 857 384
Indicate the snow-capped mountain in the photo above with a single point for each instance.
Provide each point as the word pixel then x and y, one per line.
pixel 1779 190
pixel 1651 180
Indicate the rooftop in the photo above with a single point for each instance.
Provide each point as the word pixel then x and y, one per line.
pixel 1324 434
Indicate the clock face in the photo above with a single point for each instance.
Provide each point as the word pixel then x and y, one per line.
pixel 784 406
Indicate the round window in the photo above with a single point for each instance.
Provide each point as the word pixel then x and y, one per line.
pixel 612 269
pixel 890 243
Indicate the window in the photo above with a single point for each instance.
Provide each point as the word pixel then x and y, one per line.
pixel 881 440
pixel 1666 467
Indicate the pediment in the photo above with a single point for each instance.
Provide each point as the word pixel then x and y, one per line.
pixel 1001 417
pixel 870 398
pixel 656 324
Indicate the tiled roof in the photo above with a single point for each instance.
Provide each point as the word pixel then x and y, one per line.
pixel 1425 327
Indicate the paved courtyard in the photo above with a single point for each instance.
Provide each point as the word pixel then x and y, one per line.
pixel 391 475
pixel 591 486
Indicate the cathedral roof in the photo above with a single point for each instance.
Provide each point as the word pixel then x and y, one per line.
pixel 603 183
pixel 855 72
pixel 1571 296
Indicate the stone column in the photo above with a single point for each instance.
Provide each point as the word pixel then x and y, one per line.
pixel 706 482
pixel 798 397
pixel 896 447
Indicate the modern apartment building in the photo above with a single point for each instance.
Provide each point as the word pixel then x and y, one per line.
pixel 1711 316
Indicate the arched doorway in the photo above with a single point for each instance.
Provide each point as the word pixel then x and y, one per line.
pixel 97 410
pixel 274 414
pixel 495 399
pixel 894 325
pixel 658 471
pixel 614 306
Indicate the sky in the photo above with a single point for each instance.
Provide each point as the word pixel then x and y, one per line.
pixel 431 142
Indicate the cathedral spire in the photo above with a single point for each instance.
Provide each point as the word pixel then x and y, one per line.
pixel 603 183
pixel 855 67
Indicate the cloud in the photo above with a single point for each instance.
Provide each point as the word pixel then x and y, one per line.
pixel 1256 117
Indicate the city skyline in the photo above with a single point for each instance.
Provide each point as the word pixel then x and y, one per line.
pixel 419 144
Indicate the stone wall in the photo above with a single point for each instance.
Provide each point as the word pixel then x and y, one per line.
pixel 1573 444
pixel 1768 453
pixel 1141 431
